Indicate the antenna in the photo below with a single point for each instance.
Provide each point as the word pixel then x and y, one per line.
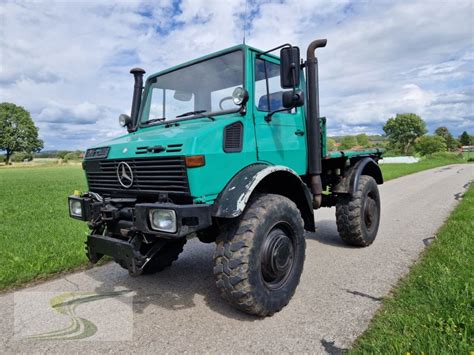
pixel 245 19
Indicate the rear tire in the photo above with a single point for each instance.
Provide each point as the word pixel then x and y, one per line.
pixel 358 216
pixel 165 256
pixel 259 261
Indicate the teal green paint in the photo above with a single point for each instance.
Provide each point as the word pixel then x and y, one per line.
pixel 277 142
pixel 198 137
pixel 273 143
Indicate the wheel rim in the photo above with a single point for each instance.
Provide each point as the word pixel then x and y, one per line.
pixel 277 257
pixel 370 213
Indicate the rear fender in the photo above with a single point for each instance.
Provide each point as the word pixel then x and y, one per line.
pixel 350 181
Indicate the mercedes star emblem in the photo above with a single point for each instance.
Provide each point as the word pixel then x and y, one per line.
pixel 125 175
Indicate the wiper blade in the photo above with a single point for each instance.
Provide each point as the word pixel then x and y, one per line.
pixel 155 120
pixel 191 113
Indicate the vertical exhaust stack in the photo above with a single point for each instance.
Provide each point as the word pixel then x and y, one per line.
pixel 314 127
pixel 137 93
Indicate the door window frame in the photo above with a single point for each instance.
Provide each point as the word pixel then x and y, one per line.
pixel 266 58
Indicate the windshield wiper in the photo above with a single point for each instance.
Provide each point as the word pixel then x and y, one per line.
pixel 154 120
pixel 191 113
pixel 197 114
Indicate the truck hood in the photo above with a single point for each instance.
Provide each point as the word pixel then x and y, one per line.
pixel 177 140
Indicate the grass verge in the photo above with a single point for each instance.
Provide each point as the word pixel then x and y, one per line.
pixel 393 171
pixel 431 310
pixel 38 237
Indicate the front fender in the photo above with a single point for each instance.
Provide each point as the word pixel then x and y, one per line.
pixel 277 179
pixel 232 200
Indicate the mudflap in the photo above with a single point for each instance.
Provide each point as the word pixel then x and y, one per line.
pixel 127 252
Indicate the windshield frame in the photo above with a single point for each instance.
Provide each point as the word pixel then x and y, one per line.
pixel 152 79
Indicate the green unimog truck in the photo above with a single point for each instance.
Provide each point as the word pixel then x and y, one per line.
pixel 229 148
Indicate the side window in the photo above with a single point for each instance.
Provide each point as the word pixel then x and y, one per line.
pixel 268 92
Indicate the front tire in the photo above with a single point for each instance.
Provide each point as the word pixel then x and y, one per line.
pixel 258 263
pixel 358 216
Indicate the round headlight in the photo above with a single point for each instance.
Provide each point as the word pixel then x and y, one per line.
pixel 240 96
pixel 75 207
pixel 164 220
pixel 124 119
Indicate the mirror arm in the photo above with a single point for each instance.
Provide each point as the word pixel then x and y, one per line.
pixel 273 49
pixel 131 128
pixel 269 115
pixel 293 71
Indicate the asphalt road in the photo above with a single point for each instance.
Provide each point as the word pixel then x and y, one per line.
pixel 179 310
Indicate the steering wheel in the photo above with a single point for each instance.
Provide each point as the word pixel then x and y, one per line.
pixel 222 101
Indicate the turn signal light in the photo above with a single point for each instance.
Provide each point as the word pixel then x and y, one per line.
pixel 195 161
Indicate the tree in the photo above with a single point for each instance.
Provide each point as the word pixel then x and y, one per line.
pixel 331 144
pixel 404 129
pixel 76 155
pixel 20 157
pixel 62 153
pixel 451 143
pixel 347 142
pixel 17 131
pixel 427 145
pixel 465 139
pixel 363 140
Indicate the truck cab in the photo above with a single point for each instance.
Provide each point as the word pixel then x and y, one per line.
pixel 229 148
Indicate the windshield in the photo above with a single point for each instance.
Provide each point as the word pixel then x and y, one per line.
pixel 198 89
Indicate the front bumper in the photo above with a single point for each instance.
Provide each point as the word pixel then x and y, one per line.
pixel 124 217
pixel 121 228
pixel 127 253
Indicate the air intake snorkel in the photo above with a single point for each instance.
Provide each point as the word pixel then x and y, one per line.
pixel 314 128
pixel 137 95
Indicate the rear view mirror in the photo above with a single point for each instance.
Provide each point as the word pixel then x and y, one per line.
pixel 182 95
pixel 292 99
pixel 289 67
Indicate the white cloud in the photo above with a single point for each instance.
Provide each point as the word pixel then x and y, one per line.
pixel 82 114
pixel 68 62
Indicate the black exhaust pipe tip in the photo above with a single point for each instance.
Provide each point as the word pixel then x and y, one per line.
pixel 319 43
pixel 137 71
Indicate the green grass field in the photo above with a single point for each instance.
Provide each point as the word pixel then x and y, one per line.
pixel 431 310
pixel 393 171
pixel 37 237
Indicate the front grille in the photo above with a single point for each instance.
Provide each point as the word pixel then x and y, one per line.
pixel 150 176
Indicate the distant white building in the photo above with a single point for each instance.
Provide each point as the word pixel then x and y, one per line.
pixel 399 160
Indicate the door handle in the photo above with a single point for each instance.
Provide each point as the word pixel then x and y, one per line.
pixel 299 132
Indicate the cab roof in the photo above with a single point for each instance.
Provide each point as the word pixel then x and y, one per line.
pixel 245 48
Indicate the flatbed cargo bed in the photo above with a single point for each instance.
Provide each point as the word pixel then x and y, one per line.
pixel 354 153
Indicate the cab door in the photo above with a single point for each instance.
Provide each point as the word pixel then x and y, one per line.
pixel 281 140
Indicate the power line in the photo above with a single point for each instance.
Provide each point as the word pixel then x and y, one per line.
pixel 245 19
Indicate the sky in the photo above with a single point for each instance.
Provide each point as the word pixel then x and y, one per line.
pixel 68 62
